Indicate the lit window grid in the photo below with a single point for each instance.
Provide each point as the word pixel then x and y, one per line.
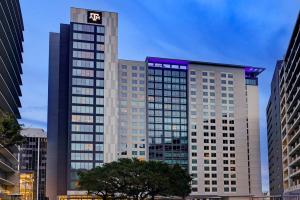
pixel 133 77
pixel 79 71
pixel 153 126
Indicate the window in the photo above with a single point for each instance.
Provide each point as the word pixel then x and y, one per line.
pixel 83 63
pixel 83 36
pixel 83 27
pixel 83 45
pixel 81 156
pixel 82 137
pixel 83 54
pixel 82 91
pixel 81 147
pixel 100 29
pixel 100 38
pixel 82 100
pixel 100 56
pixel 83 81
pixel 83 72
pixel 82 109
pixel 82 128
pixel 82 118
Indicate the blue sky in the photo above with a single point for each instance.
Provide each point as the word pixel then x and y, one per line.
pixel 249 32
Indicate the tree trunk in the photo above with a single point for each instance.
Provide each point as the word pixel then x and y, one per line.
pixel 152 197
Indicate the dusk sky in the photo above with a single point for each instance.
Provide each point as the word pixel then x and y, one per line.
pixel 247 32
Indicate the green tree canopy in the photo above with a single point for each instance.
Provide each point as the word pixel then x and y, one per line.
pixel 135 179
pixel 10 131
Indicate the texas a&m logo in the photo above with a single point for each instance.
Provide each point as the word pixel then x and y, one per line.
pixel 94 17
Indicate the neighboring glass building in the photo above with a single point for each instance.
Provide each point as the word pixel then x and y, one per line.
pixel 83 109
pixel 33 164
pixel 11 48
pixel 274 136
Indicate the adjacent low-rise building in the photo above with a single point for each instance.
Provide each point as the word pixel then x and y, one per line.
pixel 33 155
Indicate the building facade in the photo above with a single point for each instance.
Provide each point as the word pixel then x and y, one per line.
pixel 167 109
pixel 33 164
pixel 11 48
pixel 274 136
pixel 132 110
pixel 202 116
pixel 9 175
pixel 289 113
pixel 83 96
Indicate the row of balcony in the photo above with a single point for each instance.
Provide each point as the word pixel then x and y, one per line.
pixel 294 75
pixel 294 122
pixel 290 89
pixel 294 160
pixel 294 101
pixel 292 53
pixel 294 114
pixel 294 135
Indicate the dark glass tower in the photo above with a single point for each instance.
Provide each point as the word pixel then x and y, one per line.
pixel 11 37
pixel 274 136
pixel 167 111
pixel 83 67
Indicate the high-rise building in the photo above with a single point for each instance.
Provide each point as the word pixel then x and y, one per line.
pixel 274 136
pixel 132 110
pixel 203 116
pixel 11 38
pixel 33 164
pixel 289 113
pixel 83 96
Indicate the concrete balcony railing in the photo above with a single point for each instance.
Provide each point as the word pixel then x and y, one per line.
pixel 8 154
pixel 294 160
pixel 294 136
pixel 294 111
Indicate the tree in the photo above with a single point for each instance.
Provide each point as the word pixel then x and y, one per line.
pixel 180 182
pixel 98 181
pixel 136 179
pixel 10 131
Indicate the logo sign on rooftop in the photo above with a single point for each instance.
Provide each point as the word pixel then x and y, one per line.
pixel 94 17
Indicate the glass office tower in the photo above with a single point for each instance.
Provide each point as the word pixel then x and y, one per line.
pixel 82 111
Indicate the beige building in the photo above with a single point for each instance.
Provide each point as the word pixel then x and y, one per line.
pixel 224 132
pixel 132 109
